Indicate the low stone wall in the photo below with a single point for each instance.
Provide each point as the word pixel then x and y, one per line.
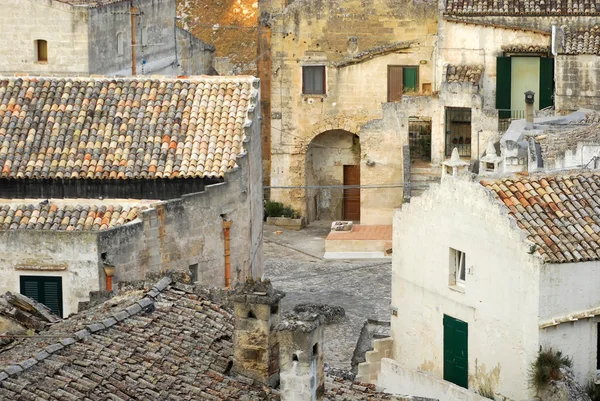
pixel 286 222
pixel 396 379
pixel 368 371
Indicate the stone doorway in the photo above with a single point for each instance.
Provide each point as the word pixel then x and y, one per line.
pixel 326 157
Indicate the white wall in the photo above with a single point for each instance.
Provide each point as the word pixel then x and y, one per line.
pixel 500 300
pixel 64 27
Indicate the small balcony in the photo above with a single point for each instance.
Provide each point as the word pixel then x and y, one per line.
pixel 505 117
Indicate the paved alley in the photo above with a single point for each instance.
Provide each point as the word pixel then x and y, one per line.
pixel 293 263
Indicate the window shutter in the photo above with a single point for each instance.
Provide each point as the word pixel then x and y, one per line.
pixel 546 82
pixel 503 85
pixel 45 290
pixel 30 288
pixel 394 83
pixel 52 297
pixel 409 79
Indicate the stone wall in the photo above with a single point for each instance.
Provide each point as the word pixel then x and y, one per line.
pixel 316 32
pixel 577 82
pixel 503 334
pixel 194 56
pixel 155 38
pixel 73 256
pixel 64 27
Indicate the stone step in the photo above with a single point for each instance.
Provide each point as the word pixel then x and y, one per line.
pixel 426 171
pixel 422 177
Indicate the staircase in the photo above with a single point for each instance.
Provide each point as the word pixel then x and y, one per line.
pixel 422 175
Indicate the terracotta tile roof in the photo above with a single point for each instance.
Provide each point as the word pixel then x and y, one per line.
pixel 525 49
pixel 581 41
pixel 555 143
pixel 166 344
pixel 76 217
pixel 99 128
pixel 559 214
pixel 464 73
pixel 520 7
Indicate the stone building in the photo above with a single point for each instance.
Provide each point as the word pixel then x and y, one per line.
pixel 484 274
pixel 168 342
pixel 333 65
pixel 82 37
pixel 111 180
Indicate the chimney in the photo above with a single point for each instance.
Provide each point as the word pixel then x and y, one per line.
pixel 301 358
pixel 256 350
pixel 529 100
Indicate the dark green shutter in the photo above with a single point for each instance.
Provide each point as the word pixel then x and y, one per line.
pixel 456 346
pixel 503 85
pixel 409 79
pixel 45 290
pixel 546 82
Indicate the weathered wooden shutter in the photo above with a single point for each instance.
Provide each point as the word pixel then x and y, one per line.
pixel 546 82
pixel 46 290
pixel 394 83
pixel 503 85
pixel 409 79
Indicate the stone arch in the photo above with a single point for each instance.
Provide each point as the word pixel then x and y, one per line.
pixel 328 155
pixel 332 124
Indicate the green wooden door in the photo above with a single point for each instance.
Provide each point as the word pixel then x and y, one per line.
pixel 410 79
pixel 45 290
pixel 456 345
pixel 503 86
pixel 546 82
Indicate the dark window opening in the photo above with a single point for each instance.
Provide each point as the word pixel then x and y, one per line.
pixel 458 131
pixel 295 358
pixel 45 290
pixel 489 166
pixel 41 50
pixel 274 309
pixel 313 80
pixel 315 349
pixel 251 315
pixel 103 256
pixel 194 272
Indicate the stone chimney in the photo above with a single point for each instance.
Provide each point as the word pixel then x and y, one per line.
pixel 301 358
pixel 256 350
pixel 529 100
pixel 455 165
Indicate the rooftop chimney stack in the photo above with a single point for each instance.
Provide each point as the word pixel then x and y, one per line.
pixel 256 349
pixel 301 358
pixel 529 100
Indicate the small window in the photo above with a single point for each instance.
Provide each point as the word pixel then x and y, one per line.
pixel 193 270
pixel 315 350
pixel 274 309
pixel 489 166
pixel 41 50
pixel 45 290
pixel 402 80
pixel 120 43
pixel 313 80
pixel 251 315
pixel 458 261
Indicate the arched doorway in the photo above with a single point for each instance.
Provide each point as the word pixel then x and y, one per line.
pixel 332 161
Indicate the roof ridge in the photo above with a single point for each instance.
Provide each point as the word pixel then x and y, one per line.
pixel 185 78
pixel 144 303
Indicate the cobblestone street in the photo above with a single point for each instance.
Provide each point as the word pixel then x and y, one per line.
pixel 293 263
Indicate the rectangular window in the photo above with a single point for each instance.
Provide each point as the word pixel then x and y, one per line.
pixel 458 131
pixel 313 80
pixel 41 50
pixel 458 260
pixel 194 272
pixel 402 80
pixel 45 290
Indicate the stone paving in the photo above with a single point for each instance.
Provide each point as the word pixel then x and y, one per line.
pixel 362 287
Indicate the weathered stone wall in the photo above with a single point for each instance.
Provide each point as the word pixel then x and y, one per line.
pixel 64 27
pixel 503 334
pixel 155 38
pixel 317 32
pixel 577 82
pixel 194 56
pixel 73 256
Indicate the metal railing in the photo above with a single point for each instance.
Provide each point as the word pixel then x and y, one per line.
pixel 505 117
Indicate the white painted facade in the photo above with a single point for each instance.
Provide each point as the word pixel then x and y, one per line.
pixel 507 295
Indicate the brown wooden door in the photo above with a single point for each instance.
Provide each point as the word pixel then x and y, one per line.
pixel 394 83
pixel 351 204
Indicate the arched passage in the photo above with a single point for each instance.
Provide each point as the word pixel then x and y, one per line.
pixel 333 159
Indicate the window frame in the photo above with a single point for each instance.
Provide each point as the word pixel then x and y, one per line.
pixel 321 67
pixel 389 67
pixel 120 44
pixel 42 292
pixel 457 268
pixel 38 44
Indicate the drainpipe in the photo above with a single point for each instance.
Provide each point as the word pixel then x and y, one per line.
pixel 109 270
pixel 227 252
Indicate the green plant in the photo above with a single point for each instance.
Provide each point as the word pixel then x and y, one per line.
pixel 277 209
pixel 546 367
pixel 593 390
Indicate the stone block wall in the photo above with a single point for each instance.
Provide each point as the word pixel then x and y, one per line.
pixel 369 370
pixel 577 82
pixel 195 57
pixel 65 28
